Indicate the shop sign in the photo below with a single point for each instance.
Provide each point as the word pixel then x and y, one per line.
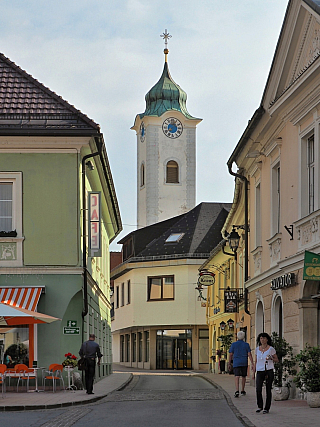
pixel 71 331
pixel 95 224
pixel 283 281
pixel 231 301
pixel 206 278
pixel 311 268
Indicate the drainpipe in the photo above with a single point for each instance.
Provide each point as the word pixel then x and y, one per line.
pixel 85 310
pixel 246 233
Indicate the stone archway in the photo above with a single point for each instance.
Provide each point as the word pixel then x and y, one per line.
pixel 308 313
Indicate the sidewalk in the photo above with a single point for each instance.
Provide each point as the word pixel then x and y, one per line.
pixel 22 401
pixel 288 413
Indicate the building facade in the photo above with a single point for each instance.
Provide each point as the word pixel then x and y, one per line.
pixel 52 158
pixel 278 154
pixel 159 319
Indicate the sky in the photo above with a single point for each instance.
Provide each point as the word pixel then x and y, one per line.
pixel 103 56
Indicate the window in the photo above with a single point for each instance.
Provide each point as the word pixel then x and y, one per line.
pixel 11 219
pixel 142 175
pixel 174 237
pixel 140 347
pixel 160 288
pixel 172 173
pixel 146 352
pixel 310 168
pixel 127 348
pixel 128 292
pixel 134 347
pixel 258 216
pixel 122 294
pixel 121 348
pixel 203 346
pixel 275 202
pixel 117 297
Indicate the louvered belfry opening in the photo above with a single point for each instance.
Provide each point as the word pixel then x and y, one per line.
pixel 172 172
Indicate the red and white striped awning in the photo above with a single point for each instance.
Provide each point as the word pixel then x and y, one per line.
pixel 27 297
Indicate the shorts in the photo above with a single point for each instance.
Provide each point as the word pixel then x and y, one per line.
pixel 240 371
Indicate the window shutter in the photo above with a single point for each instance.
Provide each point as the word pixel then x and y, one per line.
pixel 172 172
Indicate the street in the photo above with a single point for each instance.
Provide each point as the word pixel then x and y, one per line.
pixel 149 400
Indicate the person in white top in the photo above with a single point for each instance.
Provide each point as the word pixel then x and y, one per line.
pixel 264 365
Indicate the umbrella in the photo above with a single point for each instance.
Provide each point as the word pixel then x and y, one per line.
pixel 10 316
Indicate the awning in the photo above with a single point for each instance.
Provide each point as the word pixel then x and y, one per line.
pixel 24 297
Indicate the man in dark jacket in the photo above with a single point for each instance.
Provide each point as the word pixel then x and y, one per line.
pixel 90 350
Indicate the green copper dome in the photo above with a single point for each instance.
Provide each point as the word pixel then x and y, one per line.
pixel 166 95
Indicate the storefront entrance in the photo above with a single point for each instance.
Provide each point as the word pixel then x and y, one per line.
pixel 174 349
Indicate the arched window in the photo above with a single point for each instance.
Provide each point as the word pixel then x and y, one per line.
pixel 142 175
pixel 172 172
pixel 259 318
pixel 278 327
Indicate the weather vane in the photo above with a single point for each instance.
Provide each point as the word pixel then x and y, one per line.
pixel 165 37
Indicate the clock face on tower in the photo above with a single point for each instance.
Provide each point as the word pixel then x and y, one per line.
pixel 142 132
pixel 172 127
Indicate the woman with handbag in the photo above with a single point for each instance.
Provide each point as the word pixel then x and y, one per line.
pixel 265 357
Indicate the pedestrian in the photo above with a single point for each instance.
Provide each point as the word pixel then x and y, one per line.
pixel 265 357
pixel 239 353
pixel 90 350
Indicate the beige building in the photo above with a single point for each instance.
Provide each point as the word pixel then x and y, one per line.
pixel 279 154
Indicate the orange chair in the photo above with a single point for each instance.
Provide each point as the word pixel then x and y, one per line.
pixel 3 369
pixel 24 374
pixel 54 374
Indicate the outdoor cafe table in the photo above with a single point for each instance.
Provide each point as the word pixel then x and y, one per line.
pixel 11 373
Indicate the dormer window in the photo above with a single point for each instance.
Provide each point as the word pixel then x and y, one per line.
pixel 174 237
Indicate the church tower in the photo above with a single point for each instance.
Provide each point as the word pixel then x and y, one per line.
pixel 166 152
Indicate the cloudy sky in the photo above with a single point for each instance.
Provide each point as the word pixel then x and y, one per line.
pixel 103 56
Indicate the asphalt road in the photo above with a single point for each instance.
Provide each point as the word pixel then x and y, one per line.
pixel 148 401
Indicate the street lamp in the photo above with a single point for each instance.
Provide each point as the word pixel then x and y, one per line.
pixel 234 239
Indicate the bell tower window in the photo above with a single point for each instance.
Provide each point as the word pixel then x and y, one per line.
pixel 172 176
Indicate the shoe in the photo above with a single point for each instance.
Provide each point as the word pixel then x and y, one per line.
pixel 243 393
pixel 236 394
pixel 265 411
pixel 259 410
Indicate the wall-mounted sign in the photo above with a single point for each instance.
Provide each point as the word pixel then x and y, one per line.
pixel 95 224
pixel 311 268
pixel 71 331
pixel 283 281
pixel 206 278
pixel 231 301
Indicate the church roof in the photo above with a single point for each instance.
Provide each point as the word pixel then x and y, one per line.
pixel 164 96
pixel 26 105
pixel 200 231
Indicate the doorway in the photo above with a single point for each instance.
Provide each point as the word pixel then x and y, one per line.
pixel 174 349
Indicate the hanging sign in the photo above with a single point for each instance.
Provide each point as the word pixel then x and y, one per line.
pixel 311 267
pixel 206 278
pixel 231 301
pixel 95 224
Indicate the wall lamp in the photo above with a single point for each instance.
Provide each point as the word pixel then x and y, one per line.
pixel 223 325
pixel 230 323
pixel 90 165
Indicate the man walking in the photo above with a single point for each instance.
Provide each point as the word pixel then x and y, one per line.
pixel 90 350
pixel 239 353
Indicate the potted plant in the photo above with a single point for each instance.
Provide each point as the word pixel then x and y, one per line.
pixel 226 341
pixel 70 360
pixel 284 368
pixel 308 377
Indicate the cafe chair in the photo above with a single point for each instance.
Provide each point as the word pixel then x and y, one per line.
pixel 54 374
pixel 3 369
pixel 24 373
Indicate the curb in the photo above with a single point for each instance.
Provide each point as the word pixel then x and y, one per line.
pixel 245 421
pixel 64 404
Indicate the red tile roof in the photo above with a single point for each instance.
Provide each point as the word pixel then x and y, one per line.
pixel 25 102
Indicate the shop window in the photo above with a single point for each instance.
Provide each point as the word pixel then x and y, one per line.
pixel 259 318
pixel 147 342
pixel 140 347
pixel 134 347
pixel 127 348
pixel 121 348
pixel 203 346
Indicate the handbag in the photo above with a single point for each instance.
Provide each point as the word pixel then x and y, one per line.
pixel 82 364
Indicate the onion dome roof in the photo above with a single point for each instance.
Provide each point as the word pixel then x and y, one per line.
pixel 164 96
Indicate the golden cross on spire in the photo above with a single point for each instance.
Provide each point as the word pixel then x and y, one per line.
pixel 166 36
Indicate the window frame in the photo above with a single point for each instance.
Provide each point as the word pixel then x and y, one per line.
pixel 162 278
pixel 177 172
pixel 14 178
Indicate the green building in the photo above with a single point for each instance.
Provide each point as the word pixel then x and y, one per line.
pixel 53 259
